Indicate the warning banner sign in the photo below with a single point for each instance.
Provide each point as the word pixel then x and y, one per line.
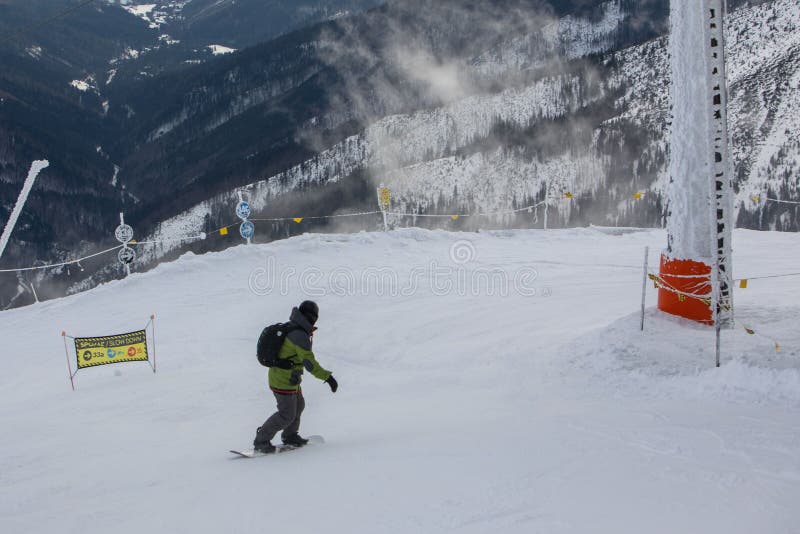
pixel 94 351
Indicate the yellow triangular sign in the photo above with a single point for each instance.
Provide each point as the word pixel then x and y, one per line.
pixel 454 217
pixel 298 220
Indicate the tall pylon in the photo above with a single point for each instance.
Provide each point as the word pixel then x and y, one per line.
pixel 696 267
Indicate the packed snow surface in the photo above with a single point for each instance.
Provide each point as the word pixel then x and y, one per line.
pixel 465 404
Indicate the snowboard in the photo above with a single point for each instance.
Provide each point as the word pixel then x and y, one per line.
pixel 279 448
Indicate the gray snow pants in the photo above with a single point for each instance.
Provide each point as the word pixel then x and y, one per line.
pixel 287 418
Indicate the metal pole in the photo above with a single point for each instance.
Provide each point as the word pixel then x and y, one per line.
pixel 546 205
pixel 383 207
pixel 36 168
pixel 153 324
pixel 124 245
pixel 721 183
pixel 241 199
pixel 66 353
pixel 644 282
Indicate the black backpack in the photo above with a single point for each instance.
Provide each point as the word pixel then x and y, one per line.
pixel 270 342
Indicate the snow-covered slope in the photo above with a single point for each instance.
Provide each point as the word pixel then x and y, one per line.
pixel 542 408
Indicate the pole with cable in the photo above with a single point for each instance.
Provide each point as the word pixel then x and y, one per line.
pixel 124 234
pixel 644 283
pixel 69 367
pixel 36 167
pixel 384 201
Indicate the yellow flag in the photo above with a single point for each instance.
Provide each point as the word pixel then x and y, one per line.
pixel 755 199
pixel 567 195
pixel 223 231
pixel 454 217
pixel 743 284
pixel 384 197
pixel 298 220
pixel 638 196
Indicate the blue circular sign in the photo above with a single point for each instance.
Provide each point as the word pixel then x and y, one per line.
pixel 247 229
pixel 243 210
pixel 126 255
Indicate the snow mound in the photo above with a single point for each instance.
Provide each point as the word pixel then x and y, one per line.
pixel 676 358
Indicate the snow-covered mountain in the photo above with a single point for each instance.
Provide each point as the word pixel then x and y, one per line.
pixel 456 106
pixel 238 23
pixel 595 126
pixel 65 69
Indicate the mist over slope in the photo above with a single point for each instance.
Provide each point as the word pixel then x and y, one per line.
pixel 574 116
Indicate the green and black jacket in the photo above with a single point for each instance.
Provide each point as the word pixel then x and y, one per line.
pixel 297 349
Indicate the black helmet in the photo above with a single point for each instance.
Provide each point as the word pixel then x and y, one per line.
pixel 310 311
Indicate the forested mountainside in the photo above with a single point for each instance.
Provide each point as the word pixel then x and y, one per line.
pixel 62 64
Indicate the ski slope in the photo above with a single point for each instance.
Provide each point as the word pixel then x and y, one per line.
pixel 458 410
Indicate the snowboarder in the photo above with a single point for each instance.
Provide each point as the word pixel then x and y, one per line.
pixel 284 380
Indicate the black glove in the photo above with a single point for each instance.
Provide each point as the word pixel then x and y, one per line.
pixel 332 383
pixel 284 364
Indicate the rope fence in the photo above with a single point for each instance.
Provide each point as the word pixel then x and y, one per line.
pixel 758 198
pixel 456 216
pixel 795 203
pixel 62 264
pixel 660 283
pixel 243 211
pixel 127 255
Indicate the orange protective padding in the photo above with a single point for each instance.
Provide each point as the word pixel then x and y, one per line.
pixel 689 277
